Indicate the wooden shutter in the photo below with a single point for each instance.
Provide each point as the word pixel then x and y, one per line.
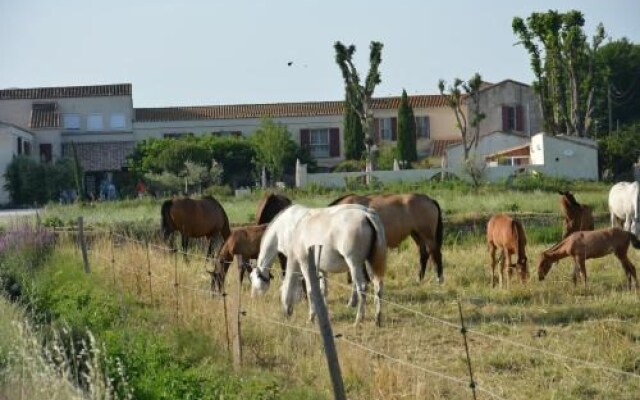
pixel 334 142
pixel 427 129
pixel 519 119
pixel 505 118
pixel 394 128
pixel 305 138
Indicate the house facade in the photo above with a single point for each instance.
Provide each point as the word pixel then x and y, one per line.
pixel 104 125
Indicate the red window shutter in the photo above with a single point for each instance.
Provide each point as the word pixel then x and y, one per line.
pixel 394 128
pixel 505 118
pixel 519 119
pixel 304 138
pixel 334 142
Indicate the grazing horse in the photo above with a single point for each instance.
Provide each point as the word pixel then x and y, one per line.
pixel 623 206
pixel 244 241
pixel 269 206
pixel 507 234
pixel 193 219
pixel 577 217
pixel 582 246
pixel 402 215
pixel 352 239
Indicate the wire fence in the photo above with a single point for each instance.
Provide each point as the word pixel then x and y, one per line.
pixel 168 282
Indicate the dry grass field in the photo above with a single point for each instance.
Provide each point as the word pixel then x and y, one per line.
pixel 539 340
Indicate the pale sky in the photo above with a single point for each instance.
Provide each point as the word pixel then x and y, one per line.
pixel 178 53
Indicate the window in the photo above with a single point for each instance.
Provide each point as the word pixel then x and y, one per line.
pixel 71 121
pixel 117 121
pixel 319 142
pixel 174 135
pixel 384 126
pixel 19 145
pixel 27 148
pixel 45 152
pixel 423 129
pixel 512 118
pixel 94 122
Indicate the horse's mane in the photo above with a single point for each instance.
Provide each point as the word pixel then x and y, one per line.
pixel 267 205
pixel 339 199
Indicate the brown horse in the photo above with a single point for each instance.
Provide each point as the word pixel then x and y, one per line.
pixel 193 219
pixel 245 242
pixel 577 217
pixel 582 246
pixel 507 234
pixel 269 206
pixel 402 215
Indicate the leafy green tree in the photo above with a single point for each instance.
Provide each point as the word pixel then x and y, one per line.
pixel 617 153
pixel 29 181
pixel 353 134
pixel 274 147
pixel 406 147
pixel 564 64
pixel 359 95
pixel 619 90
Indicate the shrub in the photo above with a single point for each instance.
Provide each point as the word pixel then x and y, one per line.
pixel 29 181
pixel 350 166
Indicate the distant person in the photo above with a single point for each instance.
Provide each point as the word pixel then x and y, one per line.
pixel 111 191
pixel 141 189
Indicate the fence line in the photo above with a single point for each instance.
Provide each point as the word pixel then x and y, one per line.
pixel 586 363
pixel 501 339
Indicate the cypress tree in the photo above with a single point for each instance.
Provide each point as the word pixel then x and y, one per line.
pixel 353 134
pixel 407 142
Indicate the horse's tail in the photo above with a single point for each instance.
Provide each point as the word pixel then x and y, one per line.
pixel 226 229
pixel 521 239
pixel 165 214
pixel 635 242
pixel 378 251
pixel 439 239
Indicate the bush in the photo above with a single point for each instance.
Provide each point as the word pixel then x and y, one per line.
pixel 350 166
pixel 29 181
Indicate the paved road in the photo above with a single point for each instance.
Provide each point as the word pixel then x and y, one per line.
pixel 17 213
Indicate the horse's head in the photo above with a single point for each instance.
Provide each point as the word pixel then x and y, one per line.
pixel 544 265
pixel 259 282
pixel 522 266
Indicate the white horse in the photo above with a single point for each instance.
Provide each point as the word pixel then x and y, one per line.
pixel 623 206
pixel 352 239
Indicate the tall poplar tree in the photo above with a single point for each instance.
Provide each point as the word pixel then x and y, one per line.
pixel 407 142
pixel 353 133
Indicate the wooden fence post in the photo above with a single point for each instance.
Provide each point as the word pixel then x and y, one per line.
pixel 234 318
pixel 325 325
pixel 463 330
pixel 175 285
pixel 83 245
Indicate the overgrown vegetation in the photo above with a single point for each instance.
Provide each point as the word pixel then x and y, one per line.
pixel 29 181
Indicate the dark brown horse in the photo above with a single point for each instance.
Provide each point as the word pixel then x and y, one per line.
pixel 507 234
pixel 269 206
pixel 402 215
pixel 194 219
pixel 577 217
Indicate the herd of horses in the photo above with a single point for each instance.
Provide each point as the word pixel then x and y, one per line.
pixel 355 232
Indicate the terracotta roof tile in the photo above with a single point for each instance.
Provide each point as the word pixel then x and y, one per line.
pixel 121 89
pixel 305 109
pixel 44 115
pixel 439 147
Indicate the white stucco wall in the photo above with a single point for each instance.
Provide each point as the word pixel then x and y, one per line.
pixel 488 145
pixel 571 158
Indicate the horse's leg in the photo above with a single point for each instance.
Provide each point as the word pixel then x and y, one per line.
pixel 283 263
pixel 492 253
pixel 324 289
pixel 360 283
pixel 377 291
pixel 210 248
pixel 629 269
pixel 424 255
pixel 288 293
pixel 185 246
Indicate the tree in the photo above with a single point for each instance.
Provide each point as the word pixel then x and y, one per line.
pixel 274 147
pixel 359 95
pixel 407 141
pixel 617 153
pixel 353 134
pixel 563 63
pixel 455 100
pixel 617 98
